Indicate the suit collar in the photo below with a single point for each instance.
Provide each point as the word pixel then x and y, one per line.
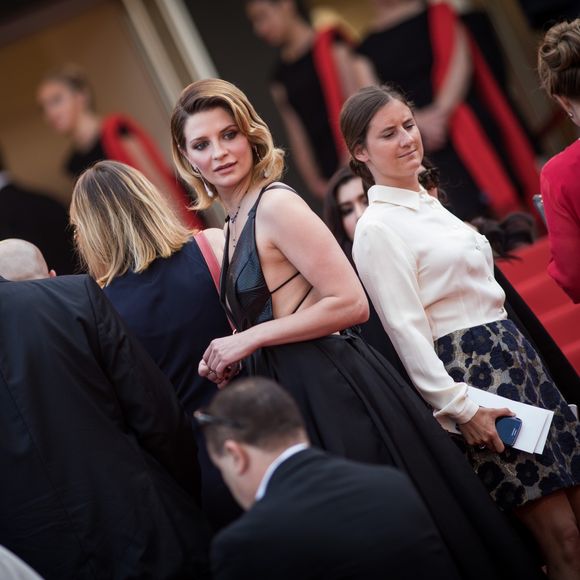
pixel 288 466
pixel 395 196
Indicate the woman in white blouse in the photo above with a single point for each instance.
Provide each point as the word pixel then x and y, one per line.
pixel 430 278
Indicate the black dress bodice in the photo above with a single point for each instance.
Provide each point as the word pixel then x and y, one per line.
pixel 243 289
pixel 412 73
pixel 305 95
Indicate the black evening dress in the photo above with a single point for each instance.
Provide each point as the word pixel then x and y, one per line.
pixel 357 406
pixel 304 92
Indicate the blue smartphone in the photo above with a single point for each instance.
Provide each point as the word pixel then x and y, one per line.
pixel 508 429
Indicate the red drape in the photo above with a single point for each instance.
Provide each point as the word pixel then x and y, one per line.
pixel 466 132
pixel 329 77
pixel 112 140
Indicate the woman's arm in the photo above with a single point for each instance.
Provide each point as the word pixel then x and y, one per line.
pixel 388 270
pixel 562 206
pixel 216 239
pixel 288 230
pixel 300 145
pixel 433 119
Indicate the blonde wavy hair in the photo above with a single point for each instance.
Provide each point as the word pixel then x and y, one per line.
pixel 122 223
pixel 208 94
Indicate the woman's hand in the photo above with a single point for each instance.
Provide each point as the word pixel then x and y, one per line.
pixel 432 122
pixel 221 360
pixel 480 429
pixel 221 382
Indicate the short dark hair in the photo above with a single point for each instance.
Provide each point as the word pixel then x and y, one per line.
pixel 255 411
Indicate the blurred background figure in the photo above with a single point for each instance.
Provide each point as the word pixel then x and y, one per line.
pixel 469 128
pixel 314 74
pixel 157 276
pixel 37 218
pixel 344 204
pixel 67 102
pixel 559 70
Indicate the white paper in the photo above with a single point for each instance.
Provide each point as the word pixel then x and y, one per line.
pixel 536 422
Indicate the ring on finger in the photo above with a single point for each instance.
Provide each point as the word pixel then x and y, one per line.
pixel 482 447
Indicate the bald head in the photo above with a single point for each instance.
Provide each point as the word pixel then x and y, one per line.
pixel 20 260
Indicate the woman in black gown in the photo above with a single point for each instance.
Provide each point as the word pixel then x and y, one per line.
pixel 354 403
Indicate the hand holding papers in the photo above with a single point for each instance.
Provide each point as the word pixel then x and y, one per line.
pixel 535 421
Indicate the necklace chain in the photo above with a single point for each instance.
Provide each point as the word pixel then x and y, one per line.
pixel 233 223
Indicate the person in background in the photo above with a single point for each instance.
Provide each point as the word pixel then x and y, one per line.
pixel 99 478
pixel 67 101
pixel 158 276
pixel 37 218
pixel 314 74
pixel 308 514
pixel 292 295
pixel 430 277
pixel 344 204
pixel 559 70
pixel 469 128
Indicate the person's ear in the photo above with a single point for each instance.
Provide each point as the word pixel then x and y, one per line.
pixel 237 455
pixel 52 274
pixel 361 154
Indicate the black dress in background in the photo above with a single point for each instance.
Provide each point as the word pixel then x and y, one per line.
pixel 174 310
pixel 304 92
pixel 413 74
pixel 356 405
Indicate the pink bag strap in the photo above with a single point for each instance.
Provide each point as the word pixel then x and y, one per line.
pixel 209 257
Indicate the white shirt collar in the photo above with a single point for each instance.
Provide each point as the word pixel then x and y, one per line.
pixel 395 195
pixel 4 179
pixel 275 464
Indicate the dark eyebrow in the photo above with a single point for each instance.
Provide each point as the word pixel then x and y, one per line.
pixel 202 137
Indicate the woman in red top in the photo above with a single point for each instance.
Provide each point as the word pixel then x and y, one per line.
pixel 559 70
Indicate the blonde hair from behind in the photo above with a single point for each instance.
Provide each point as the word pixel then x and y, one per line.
pixel 122 223
pixel 208 94
pixel 559 60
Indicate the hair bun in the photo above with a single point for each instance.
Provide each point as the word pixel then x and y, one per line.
pixel 559 59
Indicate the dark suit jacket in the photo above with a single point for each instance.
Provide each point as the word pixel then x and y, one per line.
pixel 96 456
pixel 324 517
pixel 38 219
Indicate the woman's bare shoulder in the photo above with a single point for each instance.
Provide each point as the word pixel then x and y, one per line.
pixel 216 239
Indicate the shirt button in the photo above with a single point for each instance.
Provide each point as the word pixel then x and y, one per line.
pixel 502 310
pixel 477 247
pixel 490 278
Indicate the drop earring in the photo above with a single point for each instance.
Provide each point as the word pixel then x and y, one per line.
pixel 208 190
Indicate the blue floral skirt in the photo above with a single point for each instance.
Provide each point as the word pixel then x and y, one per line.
pixel 496 357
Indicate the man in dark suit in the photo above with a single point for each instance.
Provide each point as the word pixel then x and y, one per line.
pixel 310 515
pixel 37 218
pixel 97 459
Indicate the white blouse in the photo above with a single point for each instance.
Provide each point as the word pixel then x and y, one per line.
pixel 428 274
